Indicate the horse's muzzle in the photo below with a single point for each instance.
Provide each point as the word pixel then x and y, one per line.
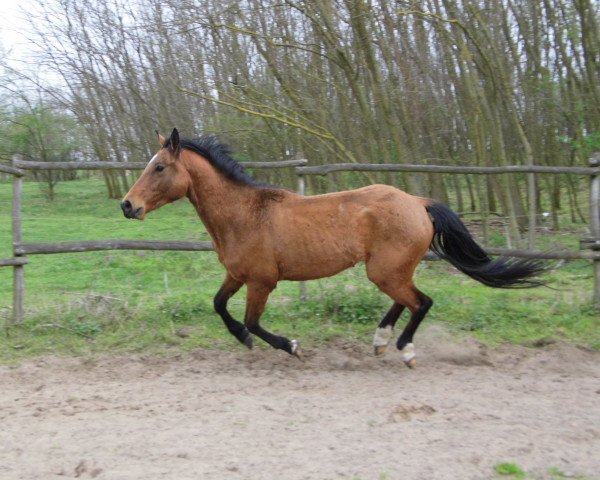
pixel 130 212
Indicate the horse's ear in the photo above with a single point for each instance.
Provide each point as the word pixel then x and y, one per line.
pixel 161 139
pixel 174 141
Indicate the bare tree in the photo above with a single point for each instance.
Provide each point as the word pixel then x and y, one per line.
pixel 436 81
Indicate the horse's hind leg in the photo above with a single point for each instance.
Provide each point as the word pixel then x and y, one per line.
pixel 238 330
pixel 401 289
pixel 256 300
pixel 385 329
pixel 419 307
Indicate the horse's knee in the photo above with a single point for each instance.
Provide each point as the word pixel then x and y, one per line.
pixel 426 303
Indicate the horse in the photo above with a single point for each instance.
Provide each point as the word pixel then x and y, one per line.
pixel 263 234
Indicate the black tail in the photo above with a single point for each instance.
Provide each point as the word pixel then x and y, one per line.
pixel 453 242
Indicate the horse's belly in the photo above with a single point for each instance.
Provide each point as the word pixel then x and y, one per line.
pixel 310 264
pixel 317 271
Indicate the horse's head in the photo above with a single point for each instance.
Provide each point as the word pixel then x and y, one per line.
pixel 164 180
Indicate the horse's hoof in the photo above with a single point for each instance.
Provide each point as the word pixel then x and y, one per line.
pixel 295 350
pixel 411 363
pixel 381 339
pixel 379 350
pixel 408 355
pixel 248 341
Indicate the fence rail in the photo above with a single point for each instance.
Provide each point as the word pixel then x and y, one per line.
pixel 12 170
pixel 100 245
pixel 13 262
pixel 376 167
pixel 548 255
pixel 49 248
pixel 22 249
pixel 30 165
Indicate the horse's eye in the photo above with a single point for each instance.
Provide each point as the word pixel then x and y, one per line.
pixel 159 168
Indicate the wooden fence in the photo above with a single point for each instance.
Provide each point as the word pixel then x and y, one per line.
pixel 590 246
pixel 22 249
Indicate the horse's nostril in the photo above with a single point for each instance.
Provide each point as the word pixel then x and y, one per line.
pixel 126 207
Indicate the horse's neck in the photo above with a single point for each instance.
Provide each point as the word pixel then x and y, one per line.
pixel 221 203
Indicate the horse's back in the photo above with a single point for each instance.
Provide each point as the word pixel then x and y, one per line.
pixel 324 234
pixel 394 220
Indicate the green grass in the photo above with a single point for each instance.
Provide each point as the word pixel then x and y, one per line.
pixel 155 301
pixel 514 471
pixel 510 469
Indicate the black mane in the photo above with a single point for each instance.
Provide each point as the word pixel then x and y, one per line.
pixel 219 156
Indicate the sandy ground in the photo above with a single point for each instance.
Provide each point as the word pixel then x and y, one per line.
pixel 342 414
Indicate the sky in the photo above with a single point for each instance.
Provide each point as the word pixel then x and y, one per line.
pixel 16 51
pixel 14 27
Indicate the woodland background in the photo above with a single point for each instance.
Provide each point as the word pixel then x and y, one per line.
pixel 448 82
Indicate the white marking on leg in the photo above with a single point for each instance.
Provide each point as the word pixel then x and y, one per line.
pixel 296 351
pixel 408 354
pixel 382 336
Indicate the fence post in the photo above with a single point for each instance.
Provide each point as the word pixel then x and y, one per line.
pixel 17 237
pixel 301 191
pixel 595 221
pixel 532 212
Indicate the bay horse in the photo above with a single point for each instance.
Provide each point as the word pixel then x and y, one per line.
pixel 263 234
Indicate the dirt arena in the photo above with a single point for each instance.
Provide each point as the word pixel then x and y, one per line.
pixel 341 414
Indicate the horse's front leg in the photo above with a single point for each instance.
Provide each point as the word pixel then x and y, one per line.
pixel 238 330
pixel 256 299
